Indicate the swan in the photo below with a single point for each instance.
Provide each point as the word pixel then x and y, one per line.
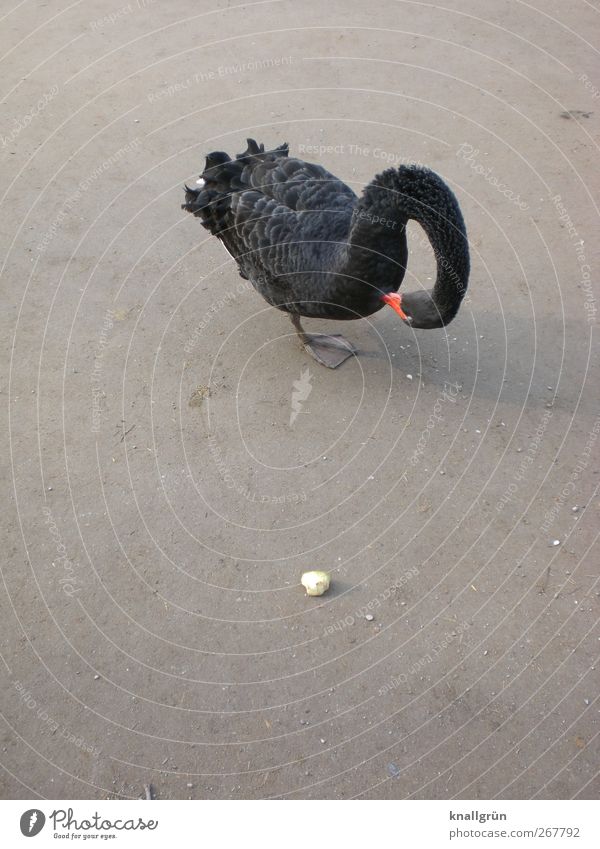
pixel 312 248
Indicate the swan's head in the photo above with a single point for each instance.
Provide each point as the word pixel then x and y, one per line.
pixel 418 309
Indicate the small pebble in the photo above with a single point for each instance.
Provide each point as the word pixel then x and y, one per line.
pixel 369 617
pixel 96 677
pixel 409 376
pixel 189 784
pixel 555 542
pixel 586 701
pixel 575 509
pixel 393 770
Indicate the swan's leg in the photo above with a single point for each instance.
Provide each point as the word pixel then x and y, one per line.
pixel 330 351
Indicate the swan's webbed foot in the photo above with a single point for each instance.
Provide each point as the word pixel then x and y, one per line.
pixel 328 350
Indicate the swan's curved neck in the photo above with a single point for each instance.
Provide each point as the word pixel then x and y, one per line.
pixel 378 240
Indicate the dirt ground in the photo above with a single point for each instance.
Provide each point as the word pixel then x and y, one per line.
pixel 175 460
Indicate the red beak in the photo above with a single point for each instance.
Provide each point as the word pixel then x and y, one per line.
pixel 394 300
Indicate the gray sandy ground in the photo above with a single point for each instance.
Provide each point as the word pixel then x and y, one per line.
pixel 175 461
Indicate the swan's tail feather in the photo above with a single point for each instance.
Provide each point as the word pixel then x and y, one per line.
pixel 222 177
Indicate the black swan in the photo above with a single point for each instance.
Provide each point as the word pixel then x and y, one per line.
pixel 312 248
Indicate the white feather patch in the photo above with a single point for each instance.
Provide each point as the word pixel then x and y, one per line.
pixel 200 182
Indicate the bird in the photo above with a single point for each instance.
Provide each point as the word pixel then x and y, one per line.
pixel 314 249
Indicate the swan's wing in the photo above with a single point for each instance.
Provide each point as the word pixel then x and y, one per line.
pixel 296 184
